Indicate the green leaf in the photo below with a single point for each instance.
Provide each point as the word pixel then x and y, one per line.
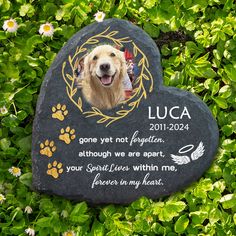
pixel 24 143
pixel 181 224
pixel 193 48
pixel 18 229
pixel 141 203
pixel 50 9
pixel 27 9
pixel 130 213
pixel 10 121
pixel 5 143
pixel 149 3
pixel 228 5
pixel 229 145
pixel 230 70
pixel 79 208
pixel 21 115
pixel 198 217
pixel 31 42
pixel 151 29
pixel 214 215
pixel 46 205
pixel 98 229
pixel 124 227
pixel 10 70
pixel 228 201
pixel 215 88
pixel 227 130
pixel 26 179
pixel 2 35
pixel 120 11
pixel 11 151
pixel 23 96
pixel 221 102
pixel 233 124
pixel 78 213
pixel 44 222
pixel 5 5
pixel 225 91
pixel 169 210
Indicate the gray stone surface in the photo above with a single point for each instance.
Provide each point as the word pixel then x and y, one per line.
pixel 186 139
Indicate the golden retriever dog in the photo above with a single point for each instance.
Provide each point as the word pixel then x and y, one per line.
pixel 103 75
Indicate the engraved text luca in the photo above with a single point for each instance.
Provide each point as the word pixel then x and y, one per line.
pixel 175 112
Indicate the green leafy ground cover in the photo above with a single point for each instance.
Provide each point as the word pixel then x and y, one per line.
pixel 198 43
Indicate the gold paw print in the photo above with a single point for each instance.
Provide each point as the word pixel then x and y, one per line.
pixel 67 135
pixel 55 169
pixel 59 112
pixel 47 148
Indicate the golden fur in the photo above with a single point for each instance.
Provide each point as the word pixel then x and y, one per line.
pixel 104 90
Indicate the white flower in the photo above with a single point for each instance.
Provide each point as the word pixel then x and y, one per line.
pixel 3 110
pixel 69 233
pixel 46 29
pixel 2 198
pixel 28 210
pixel 99 16
pixel 10 25
pixel 30 231
pixel 15 171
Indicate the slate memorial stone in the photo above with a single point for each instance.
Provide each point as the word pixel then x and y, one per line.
pixel 106 130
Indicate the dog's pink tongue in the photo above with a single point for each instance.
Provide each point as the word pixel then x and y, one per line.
pixel 106 79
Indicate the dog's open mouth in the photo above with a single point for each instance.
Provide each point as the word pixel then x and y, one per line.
pixel 106 80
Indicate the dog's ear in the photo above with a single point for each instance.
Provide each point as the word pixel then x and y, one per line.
pixel 86 66
pixel 123 70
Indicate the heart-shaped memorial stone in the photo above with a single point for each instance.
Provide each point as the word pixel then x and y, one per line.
pixel 107 131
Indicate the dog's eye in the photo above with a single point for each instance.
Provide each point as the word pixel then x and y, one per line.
pixel 113 54
pixel 95 58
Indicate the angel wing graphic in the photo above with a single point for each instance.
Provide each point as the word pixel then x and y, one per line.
pixel 198 152
pixel 180 160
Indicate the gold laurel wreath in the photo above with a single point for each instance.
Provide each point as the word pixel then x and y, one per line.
pixel 139 92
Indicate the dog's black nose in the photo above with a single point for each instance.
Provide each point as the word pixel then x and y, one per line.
pixel 105 67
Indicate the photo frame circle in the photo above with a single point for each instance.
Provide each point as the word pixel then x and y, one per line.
pixel 125 107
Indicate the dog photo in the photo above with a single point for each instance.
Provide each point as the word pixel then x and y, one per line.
pixel 106 75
